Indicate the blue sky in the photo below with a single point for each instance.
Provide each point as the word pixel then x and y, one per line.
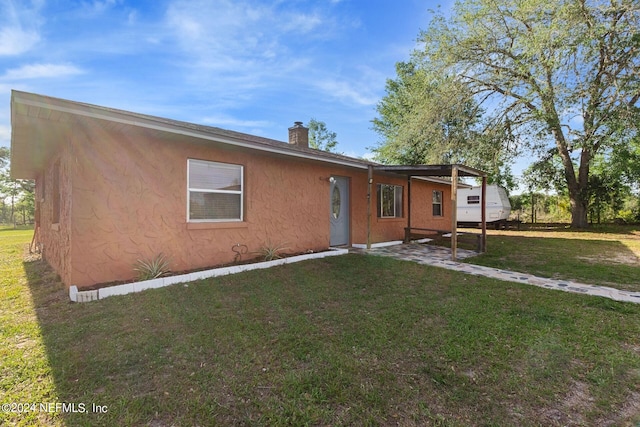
pixel 245 65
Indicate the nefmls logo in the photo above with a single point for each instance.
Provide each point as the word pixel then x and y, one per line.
pixel 72 408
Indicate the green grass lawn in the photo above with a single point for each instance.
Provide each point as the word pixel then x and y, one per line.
pixel 350 340
pixel 607 256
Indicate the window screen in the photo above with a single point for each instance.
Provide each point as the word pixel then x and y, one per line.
pixel 215 191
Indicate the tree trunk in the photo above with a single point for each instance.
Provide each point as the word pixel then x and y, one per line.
pixel 579 193
pixel 578 210
pixel 577 186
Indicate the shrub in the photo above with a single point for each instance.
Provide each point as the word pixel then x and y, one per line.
pixel 269 251
pixel 152 268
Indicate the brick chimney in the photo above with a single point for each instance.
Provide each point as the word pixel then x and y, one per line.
pixel 299 135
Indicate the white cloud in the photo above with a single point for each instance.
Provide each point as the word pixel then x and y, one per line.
pixel 36 71
pixel 349 93
pixel 18 26
pixel 14 41
pixel 302 23
pixel 242 44
pixel 227 121
pixel 100 6
pixel 132 17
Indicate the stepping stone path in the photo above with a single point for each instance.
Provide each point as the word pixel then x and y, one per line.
pixel 441 257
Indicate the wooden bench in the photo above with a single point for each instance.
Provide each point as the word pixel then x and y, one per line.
pixel 409 232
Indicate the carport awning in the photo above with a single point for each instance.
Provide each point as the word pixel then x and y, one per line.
pixel 454 171
pixel 431 170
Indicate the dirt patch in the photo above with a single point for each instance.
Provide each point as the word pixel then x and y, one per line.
pixel 29 255
pixel 570 408
pixel 615 259
pixel 626 416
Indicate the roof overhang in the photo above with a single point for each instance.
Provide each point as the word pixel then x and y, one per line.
pixel 431 170
pixel 39 123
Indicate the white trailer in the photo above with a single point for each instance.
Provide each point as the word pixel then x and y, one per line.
pixel 497 210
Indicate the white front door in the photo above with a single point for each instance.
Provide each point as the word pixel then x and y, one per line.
pixel 339 211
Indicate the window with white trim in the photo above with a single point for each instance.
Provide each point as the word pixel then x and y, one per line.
pixel 215 191
pixel 389 201
pixel 437 203
pixel 473 200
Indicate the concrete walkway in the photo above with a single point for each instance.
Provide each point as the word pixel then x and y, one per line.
pixel 441 257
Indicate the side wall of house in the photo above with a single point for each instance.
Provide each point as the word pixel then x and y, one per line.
pixel 54 198
pixel 390 229
pixel 422 205
pixel 130 203
pixel 382 229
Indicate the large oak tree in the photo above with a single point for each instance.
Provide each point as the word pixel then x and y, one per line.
pixel 561 74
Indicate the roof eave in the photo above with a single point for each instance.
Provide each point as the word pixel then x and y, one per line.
pixel 170 126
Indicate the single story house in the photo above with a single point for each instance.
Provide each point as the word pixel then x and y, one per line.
pixel 114 187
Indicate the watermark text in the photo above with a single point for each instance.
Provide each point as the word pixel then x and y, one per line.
pixel 54 407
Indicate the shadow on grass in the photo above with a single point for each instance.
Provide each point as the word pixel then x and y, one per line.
pixel 57 318
pixel 626 229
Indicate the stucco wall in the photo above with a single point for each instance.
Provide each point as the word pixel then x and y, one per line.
pixel 130 198
pixel 56 237
pixel 388 229
pixel 382 229
pixel 422 205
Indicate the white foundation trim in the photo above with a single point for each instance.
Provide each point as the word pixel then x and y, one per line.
pixel 377 245
pixel 127 288
pixel 425 240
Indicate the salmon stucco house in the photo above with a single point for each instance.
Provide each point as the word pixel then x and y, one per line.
pixel 114 187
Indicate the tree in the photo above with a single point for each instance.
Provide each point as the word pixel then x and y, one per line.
pixel 19 192
pixel 546 173
pixel 625 159
pixel 26 202
pixel 607 190
pixel 562 74
pixel 423 118
pixel 428 118
pixel 320 138
pixel 9 189
pixel 4 156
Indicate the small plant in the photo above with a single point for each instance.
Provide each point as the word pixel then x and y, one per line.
pixel 152 268
pixel 270 251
